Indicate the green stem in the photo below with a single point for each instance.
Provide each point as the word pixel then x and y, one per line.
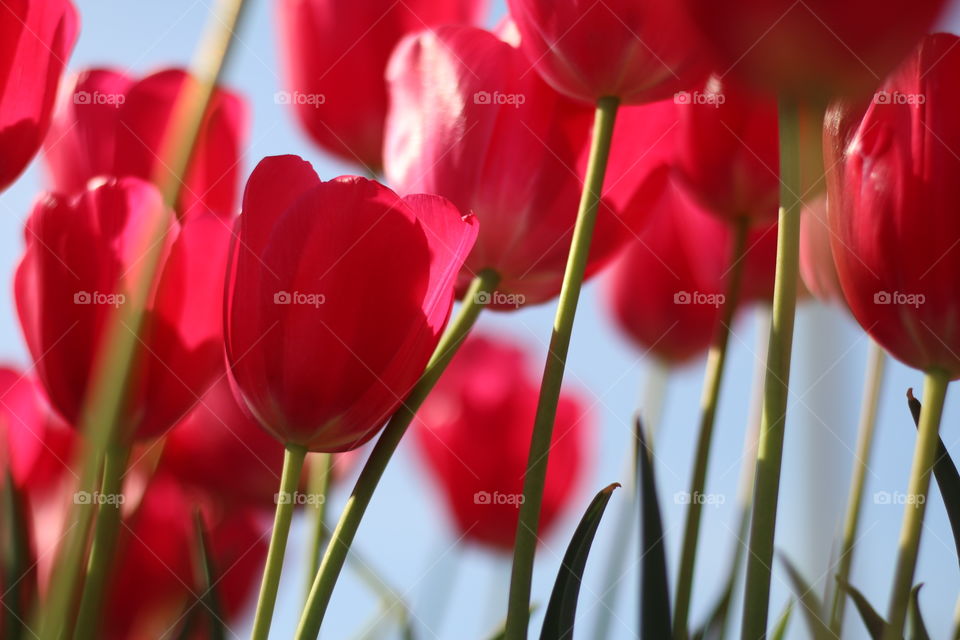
pixel 776 387
pixel 934 393
pixel 293 459
pixel 105 533
pixel 342 537
pixel 98 421
pixel 525 545
pixel 708 404
pixel 319 483
pixel 876 361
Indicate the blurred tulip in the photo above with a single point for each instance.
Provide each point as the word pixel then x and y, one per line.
pixel 337 295
pixel 728 151
pixel 474 432
pixel 108 124
pixel 894 198
pixel 815 48
pixel 817 268
pixel 635 50
pixel 334 57
pixel 473 136
pixel 82 256
pixel 37 38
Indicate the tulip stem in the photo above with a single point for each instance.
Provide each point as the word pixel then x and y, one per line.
pixel 876 361
pixel 103 547
pixel 776 386
pixel 924 456
pixel 293 458
pixel 339 545
pixel 525 545
pixel 320 468
pixel 713 379
pixel 107 392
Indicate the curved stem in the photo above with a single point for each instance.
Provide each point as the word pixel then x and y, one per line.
pixel 525 544
pixel 924 455
pixel 98 421
pixel 776 387
pixel 876 361
pixel 356 506
pixel 319 482
pixel 293 459
pixel 105 532
pixel 708 413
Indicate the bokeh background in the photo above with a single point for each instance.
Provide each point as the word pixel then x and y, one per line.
pixel 406 538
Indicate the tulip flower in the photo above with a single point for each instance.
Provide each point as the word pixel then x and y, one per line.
pixel 635 50
pixel 81 258
pixel 817 268
pixel 320 361
pixel 334 56
pixel 38 36
pixel 109 124
pixel 474 433
pixel 472 139
pixel 817 48
pixel 899 275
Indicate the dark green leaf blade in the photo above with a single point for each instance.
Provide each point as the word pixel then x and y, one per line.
pixel 918 630
pixel 18 585
pixel 780 630
pixel 813 610
pixel 655 616
pixel 562 608
pixel 946 475
pixel 208 577
pixel 874 622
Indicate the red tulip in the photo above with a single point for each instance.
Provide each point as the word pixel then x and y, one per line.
pixel 473 135
pixel 474 432
pixel 36 38
pixel 109 124
pixel 817 268
pixel 335 54
pixel 83 252
pixel 636 50
pixel 894 198
pixel 728 151
pixel 818 48
pixel 337 296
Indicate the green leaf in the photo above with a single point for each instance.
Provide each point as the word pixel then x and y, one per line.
pixel 946 475
pixel 655 616
pixel 918 630
pixel 18 585
pixel 780 631
pixel 813 610
pixel 874 622
pixel 208 578
pixel 562 608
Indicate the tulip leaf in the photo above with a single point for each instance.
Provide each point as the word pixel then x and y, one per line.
pixel 18 583
pixel 501 632
pixel 207 581
pixel 918 630
pixel 655 617
pixel 812 607
pixel 872 620
pixel 562 608
pixel 946 475
pixel 780 630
